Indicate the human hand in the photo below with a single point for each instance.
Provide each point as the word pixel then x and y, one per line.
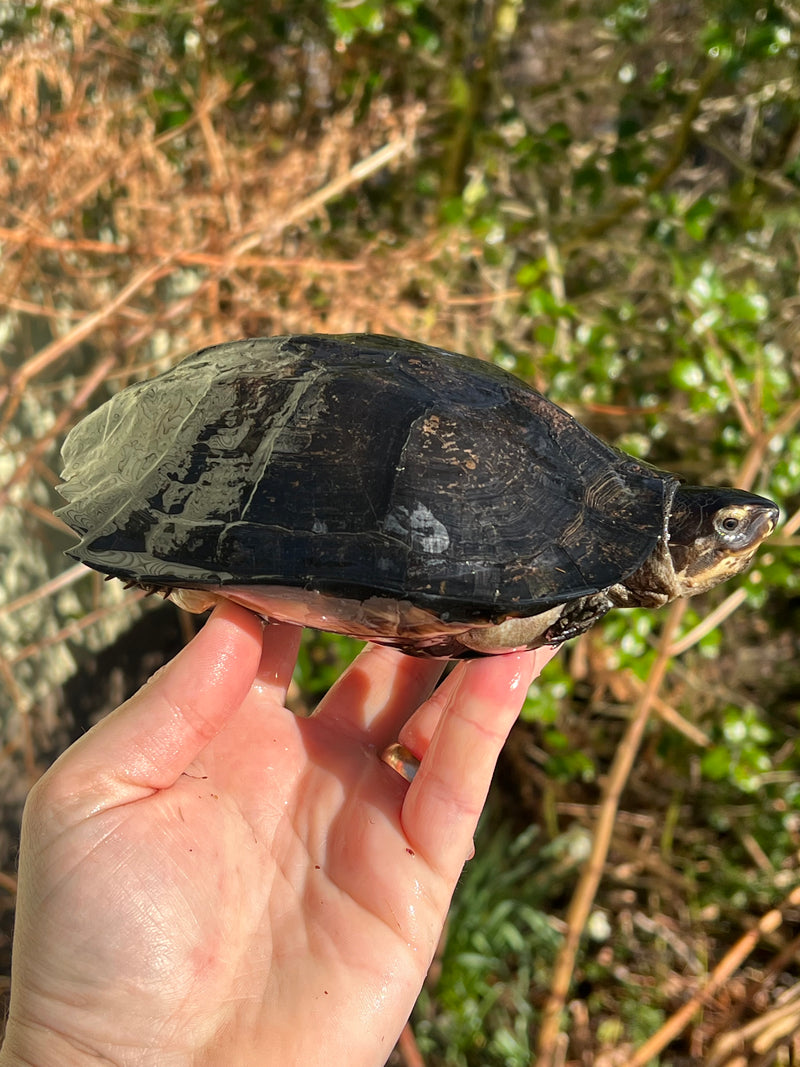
pixel 206 878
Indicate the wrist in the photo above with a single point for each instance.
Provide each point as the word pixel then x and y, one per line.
pixel 37 1046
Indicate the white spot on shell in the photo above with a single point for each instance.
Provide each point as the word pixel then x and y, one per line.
pixel 427 532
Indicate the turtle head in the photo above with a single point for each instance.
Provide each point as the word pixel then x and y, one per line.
pixel 714 533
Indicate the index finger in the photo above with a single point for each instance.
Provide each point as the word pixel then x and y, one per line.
pixel 446 797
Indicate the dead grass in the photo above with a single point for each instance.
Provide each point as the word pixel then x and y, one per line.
pixel 126 248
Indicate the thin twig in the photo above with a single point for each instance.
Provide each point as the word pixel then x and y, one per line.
pixel 755 457
pixel 729 963
pixel 791 525
pixel 312 204
pixel 61 581
pixel 671 716
pixel 409 1049
pixel 56 349
pixel 216 158
pixel 583 897
pixel 482 298
pixel 183 258
pixel 74 628
pixel 555 266
pixel 710 622
pixel 8 883
pixel 96 378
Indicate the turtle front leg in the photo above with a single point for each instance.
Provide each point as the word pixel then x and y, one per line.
pixel 576 618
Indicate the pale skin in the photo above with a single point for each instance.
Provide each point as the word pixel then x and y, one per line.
pixel 206 879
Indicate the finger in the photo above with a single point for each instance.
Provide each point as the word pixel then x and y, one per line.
pixel 378 692
pixel 148 742
pixel 416 732
pixel 447 795
pixel 278 659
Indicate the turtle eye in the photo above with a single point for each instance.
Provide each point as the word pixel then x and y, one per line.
pixel 729 521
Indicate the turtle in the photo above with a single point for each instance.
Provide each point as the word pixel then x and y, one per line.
pixel 386 489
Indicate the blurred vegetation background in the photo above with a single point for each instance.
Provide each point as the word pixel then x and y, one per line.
pixel 599 196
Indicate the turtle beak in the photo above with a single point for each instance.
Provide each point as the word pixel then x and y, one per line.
pixel 765 519
pixel 761 517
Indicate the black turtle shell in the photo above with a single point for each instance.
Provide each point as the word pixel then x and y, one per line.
pixel 357 465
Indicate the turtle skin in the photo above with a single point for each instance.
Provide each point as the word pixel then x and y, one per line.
pixel 360 467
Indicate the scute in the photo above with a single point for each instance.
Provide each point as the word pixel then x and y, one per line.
pixel 357 465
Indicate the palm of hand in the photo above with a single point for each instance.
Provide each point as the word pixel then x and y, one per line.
pixel 238 885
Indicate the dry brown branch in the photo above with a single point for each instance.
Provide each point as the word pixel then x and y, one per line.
pixel 792 524
pixel 586 889
pixel 487 298
pixel 183 258
pixel 756 455
pixel 671 716
pixel 61 581
pixel 311 205
pixel 711 621
pixel 68 633
pixel 555 266
pixel 8 883
pixel 56 349
pixel 730 963
pixel 10 684
pixel 29 237
pixel 409 1048
pixel 215 95
pixel 95 379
